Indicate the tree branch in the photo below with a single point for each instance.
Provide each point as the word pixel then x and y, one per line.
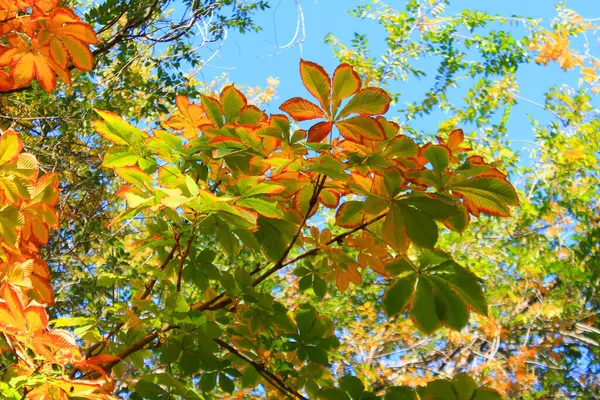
pixel 267 375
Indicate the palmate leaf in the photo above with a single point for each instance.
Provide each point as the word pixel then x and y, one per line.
pixel 330 94
pixel 436 296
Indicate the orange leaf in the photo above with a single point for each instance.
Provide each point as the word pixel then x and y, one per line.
pixel 37 319
pixel 301 109
pixel 10 146
pixel 43 290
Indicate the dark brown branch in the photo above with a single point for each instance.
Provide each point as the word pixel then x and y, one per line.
pixel 278 265
pixel 268 375
pixel 185 254
pixel 147 290
pixel 215 304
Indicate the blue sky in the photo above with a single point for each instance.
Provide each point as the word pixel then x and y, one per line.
pixel 249 59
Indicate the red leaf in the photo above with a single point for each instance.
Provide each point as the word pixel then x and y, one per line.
pixel 319 131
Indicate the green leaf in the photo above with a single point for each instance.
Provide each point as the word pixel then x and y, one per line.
pixel 120 157
pixel 489 195
pixel 439 390
pixel 423 312
pixel 434 207
pixel 213 110
pixel 368 101
pixel 233 101
pixel 467 285
pixel 317 81
pixel 117 131
pixel 401 393
pixel 329 166
pixel 226 384
pixel 450 308
pixel 333 394
pixel 464 386
pixel 361 128
pixel 305 317
pixel 177 303
pixel 10 219
pixel 438 156
pixel 398 265
pixel 350 214
pixel 208 381
pixel 134 175
pixel 250 377
pixel 393 230
pixel 420 227
pixel 319 287
pixel 317 355
pixel 352 385
pixel 149 390
pixel 401 147
pixel 486 394
pixel 397 296
pixel 346 82
pixel 274 235
pixel 267 208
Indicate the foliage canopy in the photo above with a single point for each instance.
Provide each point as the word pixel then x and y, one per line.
pixel 211 253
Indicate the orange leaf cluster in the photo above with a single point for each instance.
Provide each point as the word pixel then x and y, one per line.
pixel 26 215
pixel 554 46
pixel 41 39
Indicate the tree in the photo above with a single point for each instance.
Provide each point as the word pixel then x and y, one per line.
pixel 541 337
pixel 226 263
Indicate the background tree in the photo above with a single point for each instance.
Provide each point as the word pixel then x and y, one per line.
pixel 541 337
